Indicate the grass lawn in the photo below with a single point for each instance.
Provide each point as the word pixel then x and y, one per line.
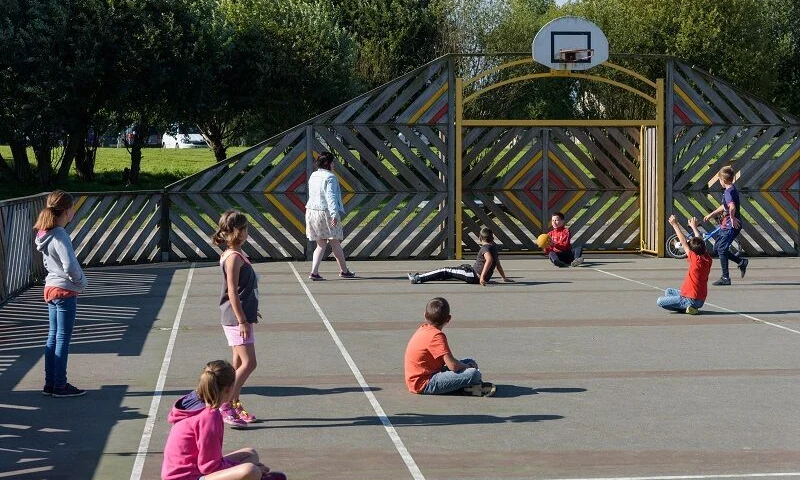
pixel 160 167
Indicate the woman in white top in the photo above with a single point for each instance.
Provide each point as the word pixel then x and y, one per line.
pixel 324 212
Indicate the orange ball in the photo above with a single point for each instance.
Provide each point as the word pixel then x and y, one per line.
pixel 543 240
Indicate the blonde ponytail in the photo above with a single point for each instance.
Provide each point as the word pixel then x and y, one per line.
pixel 57 203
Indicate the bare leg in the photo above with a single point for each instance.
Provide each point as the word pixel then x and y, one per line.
pixel 243 455
pixel 336 246
pixel 319 252
pixel 243 471
pixel 247 358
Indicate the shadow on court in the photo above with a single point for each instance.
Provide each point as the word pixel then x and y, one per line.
pixel 64 438
pixel 407 420
pixel 511 391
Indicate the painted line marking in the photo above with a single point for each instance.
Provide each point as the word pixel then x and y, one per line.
pixel 387 424
pixel 144 444
pixel 750 317
pixel 688 477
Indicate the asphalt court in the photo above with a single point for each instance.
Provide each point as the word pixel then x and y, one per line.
pixel 594 380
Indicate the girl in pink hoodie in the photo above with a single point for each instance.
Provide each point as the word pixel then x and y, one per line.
pixel 194 446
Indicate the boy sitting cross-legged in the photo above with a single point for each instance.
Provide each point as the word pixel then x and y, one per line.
pixel 430 367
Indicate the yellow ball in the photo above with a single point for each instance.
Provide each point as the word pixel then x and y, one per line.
pixel 543 240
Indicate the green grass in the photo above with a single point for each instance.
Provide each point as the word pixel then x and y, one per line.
pixel 160 167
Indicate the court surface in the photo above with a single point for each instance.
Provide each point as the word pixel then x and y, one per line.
pixel 594 380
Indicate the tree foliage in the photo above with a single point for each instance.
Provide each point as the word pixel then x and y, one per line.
pixel 70 69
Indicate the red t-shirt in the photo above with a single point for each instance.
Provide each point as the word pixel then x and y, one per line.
pixel 695 285
pixel 424 356
pixel 560 240
pixel 52 293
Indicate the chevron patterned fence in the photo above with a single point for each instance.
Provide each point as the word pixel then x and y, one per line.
pixel 397 148
pixel 516 178
pixel 714 124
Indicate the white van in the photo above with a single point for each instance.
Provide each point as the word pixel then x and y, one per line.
pixel 183 136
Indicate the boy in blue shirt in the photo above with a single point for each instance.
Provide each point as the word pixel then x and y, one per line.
pixel 731 226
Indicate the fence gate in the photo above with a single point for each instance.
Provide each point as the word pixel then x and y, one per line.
pixel 516 173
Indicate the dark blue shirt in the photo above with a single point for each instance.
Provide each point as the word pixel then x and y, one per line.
pixel 730 196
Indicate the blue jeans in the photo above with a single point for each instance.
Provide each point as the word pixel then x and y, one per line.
pixel 56 351
pixel 672 300
pixel 566 257
pixel 721 246
pixel 448 381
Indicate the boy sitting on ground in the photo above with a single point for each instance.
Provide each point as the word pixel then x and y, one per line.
pixel 560 250
pixel 694 290
pixel 430 367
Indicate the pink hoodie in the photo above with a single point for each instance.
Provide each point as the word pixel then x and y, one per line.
pixel 194 445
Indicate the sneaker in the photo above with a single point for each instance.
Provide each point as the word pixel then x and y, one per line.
pixel 692 310
pixel 743 266
pixel 47 390
pixel 413 278
pixel 315 277
pixel 230 416
pixel 577 262
pixel 242 413
pixel 560 264
pixel 274 476
pixel 67 390
pixel 347 274
pixel 722 281
pixel 485 389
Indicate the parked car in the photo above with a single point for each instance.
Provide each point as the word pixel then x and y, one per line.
pixel 183 136
pixel 150 140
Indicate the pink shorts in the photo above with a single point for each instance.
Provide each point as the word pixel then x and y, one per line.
pixel 234 338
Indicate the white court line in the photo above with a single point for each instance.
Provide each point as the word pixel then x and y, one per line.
pixel 144 444
pixel 387 424
pixel 689 477
pixel 750 317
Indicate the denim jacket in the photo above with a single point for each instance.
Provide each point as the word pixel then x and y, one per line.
pixel 324 193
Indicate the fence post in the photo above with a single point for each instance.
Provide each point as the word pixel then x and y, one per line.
pixel 165 226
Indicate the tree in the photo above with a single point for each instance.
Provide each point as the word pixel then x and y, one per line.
pixel 52 84
pixel 151 41
pixel 729 39
pixel 393 36
pixel 282 63
pixel 785 15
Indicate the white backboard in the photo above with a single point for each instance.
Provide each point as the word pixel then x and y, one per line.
pixel 570 43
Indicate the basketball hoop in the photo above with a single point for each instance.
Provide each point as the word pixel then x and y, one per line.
pixel 568 44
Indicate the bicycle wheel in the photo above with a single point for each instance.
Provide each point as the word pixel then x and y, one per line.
pixel 674 247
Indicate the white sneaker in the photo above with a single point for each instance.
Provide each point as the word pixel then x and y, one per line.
pixel 577 262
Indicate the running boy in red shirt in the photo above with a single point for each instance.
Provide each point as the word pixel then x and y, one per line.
pixel 694 290
pixel 431 368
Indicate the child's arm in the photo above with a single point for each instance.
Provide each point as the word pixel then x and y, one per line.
pixel 716 212
pixel 232 268
pixel 679 232
pixel 209 446
pixel 502 273
pixel 486 266
pixel 735 223
pixel 693 223
pixel 453 363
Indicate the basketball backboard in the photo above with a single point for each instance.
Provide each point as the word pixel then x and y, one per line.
pixel 570 43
